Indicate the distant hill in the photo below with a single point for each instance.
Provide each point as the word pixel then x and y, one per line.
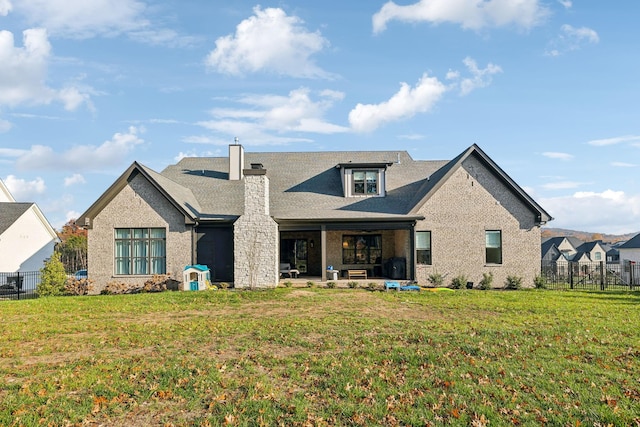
pixel 585 236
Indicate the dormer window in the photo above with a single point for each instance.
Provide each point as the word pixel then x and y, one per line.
pixel 365 182
pixel 363 179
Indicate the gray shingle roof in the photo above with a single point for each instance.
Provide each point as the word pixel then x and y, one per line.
pixel 306 185
pixel 634 243
pixel 10 212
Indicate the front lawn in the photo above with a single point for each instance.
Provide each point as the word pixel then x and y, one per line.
pixel 322 357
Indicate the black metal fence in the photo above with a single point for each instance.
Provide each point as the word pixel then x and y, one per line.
pixel 21 285
pixel 591 275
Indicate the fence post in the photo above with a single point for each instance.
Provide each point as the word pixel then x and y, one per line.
pixel 18 283
pixel 601 275
pixel 631 278
pixel 570 274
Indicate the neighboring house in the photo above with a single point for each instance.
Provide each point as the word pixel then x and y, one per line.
pixel 613 255
pixel 566 245
pixel 630 259
pixel 381 212
pixel 595 251
pixel 550 252
pixel 26 237
pixel 585 258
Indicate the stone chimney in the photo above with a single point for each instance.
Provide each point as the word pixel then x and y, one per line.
pixel 256 235
pixel 256 190
pixel 236 161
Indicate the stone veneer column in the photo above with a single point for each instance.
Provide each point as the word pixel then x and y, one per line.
pixel 255 236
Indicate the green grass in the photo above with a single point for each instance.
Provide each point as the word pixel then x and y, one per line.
pixel 322 357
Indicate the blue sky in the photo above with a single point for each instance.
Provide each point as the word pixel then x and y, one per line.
pixel 548 89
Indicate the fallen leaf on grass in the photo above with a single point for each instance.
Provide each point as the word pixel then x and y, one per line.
pixel 610 401
pixel 479 421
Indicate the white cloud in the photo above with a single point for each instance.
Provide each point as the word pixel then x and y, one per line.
pixel 566 3
pixel 11 152
pixel 404 104
pixel 84 18
pixel 70 215
pixel 24 71
pixel 557 155
pixel 265 115
pixel 479 78
pixel 470 14
pixel 5 125
pixel 412 136
pixel 614 140
pixel 5 7
pixel 571 38
pixel 73 98
pixel 163 37
pixel 623 165
pixel 208 153
pixel 608 212
pixel 580 34
pixel 23 190
pixel 74 179
pixel 269 41
pixel 562 185
pixel 84 157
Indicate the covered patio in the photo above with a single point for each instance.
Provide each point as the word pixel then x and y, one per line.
pixel 334 251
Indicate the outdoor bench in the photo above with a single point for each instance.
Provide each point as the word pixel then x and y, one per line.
pixel 357 274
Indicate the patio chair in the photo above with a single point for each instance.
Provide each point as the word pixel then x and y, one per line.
pixel 285 269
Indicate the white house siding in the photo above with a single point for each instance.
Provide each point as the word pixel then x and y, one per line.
pixel 566 247
pixel 626 255
pixel 26 244
pixel 137 205
pixel 630 255
pixel 470 202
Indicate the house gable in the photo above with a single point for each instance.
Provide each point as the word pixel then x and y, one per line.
pixel 181 198
pixel 138 205
pixel 26 237
pixel 480 167
pixel 5 194
pixel 594 250
pixel 550 252
pixel 471 202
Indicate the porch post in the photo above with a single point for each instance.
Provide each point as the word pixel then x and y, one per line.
pixel 412 242
pixel 323 251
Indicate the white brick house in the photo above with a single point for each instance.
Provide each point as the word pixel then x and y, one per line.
pixel 382 212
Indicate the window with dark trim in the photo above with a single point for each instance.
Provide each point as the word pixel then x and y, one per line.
pixel 493 246
pixel 365 182
pixel 140 251
pixel 423 247
pixel 362 249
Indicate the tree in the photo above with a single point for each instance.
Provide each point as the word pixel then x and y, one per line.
pixel 72 246
pixel 52 277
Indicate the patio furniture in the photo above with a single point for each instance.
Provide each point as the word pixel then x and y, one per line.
pixel 357 274
pixel 285 269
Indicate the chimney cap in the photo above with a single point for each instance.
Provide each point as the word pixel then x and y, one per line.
pixel 257 166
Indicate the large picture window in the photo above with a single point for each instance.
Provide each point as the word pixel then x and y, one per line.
pixel 423 247
pixel 140 251
pixel 362 249
pixel 365 182
pixel 493 245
